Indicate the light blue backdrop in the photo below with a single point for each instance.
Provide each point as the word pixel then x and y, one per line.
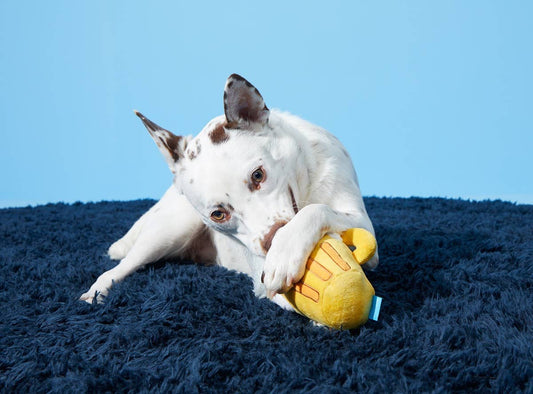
pixel 431 98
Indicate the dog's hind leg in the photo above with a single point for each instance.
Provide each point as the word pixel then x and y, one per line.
pixel 119 249
pixel 171 229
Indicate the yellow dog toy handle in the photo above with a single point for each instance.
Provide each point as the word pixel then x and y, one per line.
pixel 363 241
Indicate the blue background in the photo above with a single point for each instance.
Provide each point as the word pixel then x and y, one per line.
pixel 430 98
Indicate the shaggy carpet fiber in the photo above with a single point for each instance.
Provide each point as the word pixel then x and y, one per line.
pixel 455 276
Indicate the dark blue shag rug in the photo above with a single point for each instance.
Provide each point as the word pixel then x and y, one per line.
pixel 456 278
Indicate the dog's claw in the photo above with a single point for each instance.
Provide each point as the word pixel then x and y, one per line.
pixel 289 282
pixel 263 277
pixel 90 299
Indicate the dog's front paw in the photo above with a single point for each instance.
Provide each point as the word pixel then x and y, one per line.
pixel 284 264
pixel 99 290
pixel 90 296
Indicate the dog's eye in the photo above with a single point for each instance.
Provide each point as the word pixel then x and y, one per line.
pixel 219 215
pixel 258 175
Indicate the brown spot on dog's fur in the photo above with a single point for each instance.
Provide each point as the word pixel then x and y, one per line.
pixel 201 248
pixel 219 135
pixel 171 142
pixel 233 126
pixel 198 147
pixel 253 186
pixel 266 242
pixel 193 153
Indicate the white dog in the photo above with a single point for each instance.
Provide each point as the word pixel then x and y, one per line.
pixel 253 192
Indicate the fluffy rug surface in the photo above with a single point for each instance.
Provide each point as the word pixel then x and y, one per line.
pixel 456 279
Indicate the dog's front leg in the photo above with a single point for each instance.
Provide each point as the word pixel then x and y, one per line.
pixel 167 231
pixel 285 261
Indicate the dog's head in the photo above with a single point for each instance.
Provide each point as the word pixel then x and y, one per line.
pixel 243 172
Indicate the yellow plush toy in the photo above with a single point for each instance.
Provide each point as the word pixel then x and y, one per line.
pixel 334 290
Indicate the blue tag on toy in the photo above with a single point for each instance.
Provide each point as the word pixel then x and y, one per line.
pixel 374 309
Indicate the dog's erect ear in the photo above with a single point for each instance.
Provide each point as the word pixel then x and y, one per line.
pixel 243 104
pixel 171 146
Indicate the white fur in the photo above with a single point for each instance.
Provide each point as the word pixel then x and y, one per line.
pixel 293 153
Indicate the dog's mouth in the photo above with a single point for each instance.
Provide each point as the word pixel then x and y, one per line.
pixel 293 200
pixel 266 242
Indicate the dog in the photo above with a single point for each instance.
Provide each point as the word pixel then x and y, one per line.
pixel 254 191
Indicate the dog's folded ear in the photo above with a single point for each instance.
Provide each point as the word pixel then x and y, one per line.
pixel 243 104
pixel 171 146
